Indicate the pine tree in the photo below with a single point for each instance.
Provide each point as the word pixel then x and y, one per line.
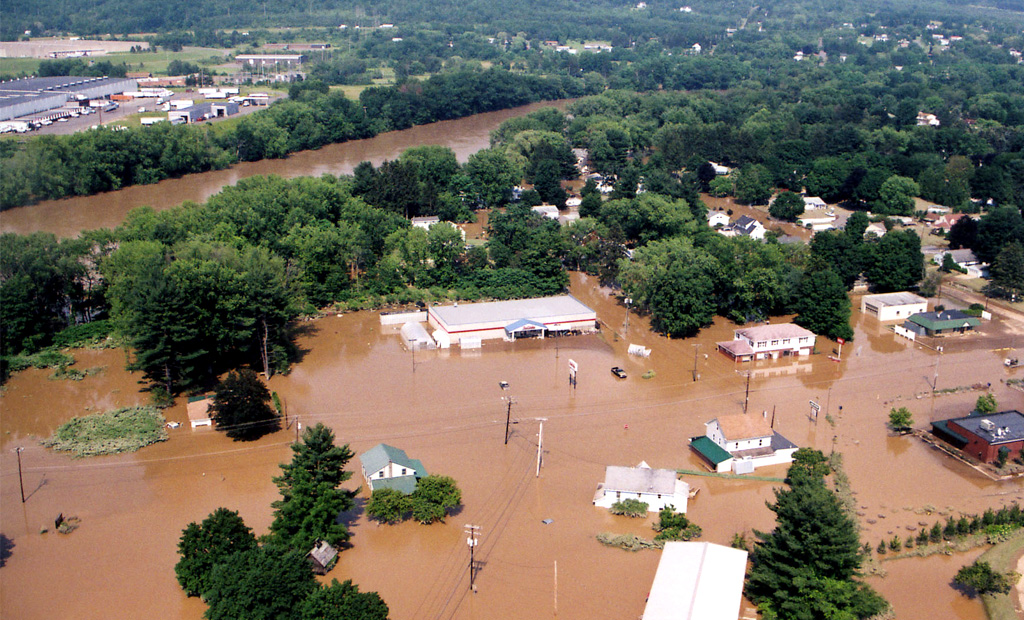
pixel 814 548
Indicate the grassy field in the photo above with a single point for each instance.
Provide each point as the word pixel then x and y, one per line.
pixel 121 430
pixel 1003 558
pixel 152 62
pixel 17 66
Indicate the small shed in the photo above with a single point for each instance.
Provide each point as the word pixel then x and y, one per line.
pixel 321 557
pixel 199 411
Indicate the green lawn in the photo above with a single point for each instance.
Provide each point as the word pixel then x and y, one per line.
pixel 1003 558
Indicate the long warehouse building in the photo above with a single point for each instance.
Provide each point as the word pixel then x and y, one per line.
pixel 28 96
pixel 518 318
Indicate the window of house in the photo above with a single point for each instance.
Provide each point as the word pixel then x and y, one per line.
pixel 403 471
pixel 775 343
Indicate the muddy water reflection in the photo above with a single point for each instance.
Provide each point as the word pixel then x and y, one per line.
pixel 445 408
pixel 70 216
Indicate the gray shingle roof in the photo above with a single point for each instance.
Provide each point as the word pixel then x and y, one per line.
pixel 640 480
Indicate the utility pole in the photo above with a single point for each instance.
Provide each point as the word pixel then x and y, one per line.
pixel 297 425
pixel 746 399
pixel 556 587
pixel 508 418
pixel 472 531
pixel 696 348
pixel 21 482
pixel 540 446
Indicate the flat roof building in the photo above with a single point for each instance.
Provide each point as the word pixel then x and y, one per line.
pixel 983 436
pixel 893 306
pixel 29 96
pixel 518 318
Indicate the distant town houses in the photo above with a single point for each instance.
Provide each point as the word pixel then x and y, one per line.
pixel 966 260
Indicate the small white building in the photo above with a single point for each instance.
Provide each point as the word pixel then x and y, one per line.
pixel 655 487
pixel 425 222
pixel 893 306
pixel 720 170
pixel 718 218
pixel 389 467
pixel 697 581
pixel 818 222
pixel 199 413
pixel 768 341
pixel 814 202
pixel 548 211
pixel 965 259
pixel 742 443
pixel 875 229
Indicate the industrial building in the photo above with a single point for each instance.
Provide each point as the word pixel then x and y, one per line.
pixel 271 60
pixel 893 306
pixel 29 96
pixel 202 111
pixel 511 320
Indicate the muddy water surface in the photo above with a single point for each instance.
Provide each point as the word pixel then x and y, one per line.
pixel 69 216
pixel 446 409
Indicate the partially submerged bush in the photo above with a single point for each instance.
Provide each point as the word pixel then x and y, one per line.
pixel 122 430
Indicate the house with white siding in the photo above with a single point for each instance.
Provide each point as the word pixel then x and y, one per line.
pixel 655 487
pixel 389 467
pixel 742 443
pixel 768 341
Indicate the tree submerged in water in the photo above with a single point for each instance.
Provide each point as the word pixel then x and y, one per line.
pixel 806 568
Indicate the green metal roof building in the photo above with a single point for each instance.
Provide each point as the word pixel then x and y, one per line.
pixel 942 322
pixel 389 467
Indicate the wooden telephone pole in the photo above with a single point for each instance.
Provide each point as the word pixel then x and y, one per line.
pixel 472 531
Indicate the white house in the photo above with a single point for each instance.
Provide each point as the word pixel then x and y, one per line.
pixel 876 229
pixel 742 443
pixel 925 119
pixel 893 306
pixel 768 341
pixel 818 222
pixel 385 466
pixel 655 487
pixel 697 581
pixel 548 211
pixel 965 259
pixel 814 202
pixel 718 218
pixel 425 222
pixel 719 169
pixel 749 227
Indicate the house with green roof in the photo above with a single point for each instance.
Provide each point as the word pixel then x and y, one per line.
pixel 941 323
pixel 389 467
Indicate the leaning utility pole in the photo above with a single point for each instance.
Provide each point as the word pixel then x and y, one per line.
pixel 508 418
pixel 21 482
pixel 540 446
pixel 746 399
pixel 472 531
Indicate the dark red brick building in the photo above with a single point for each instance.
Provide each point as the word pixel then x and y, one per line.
pixel 982 436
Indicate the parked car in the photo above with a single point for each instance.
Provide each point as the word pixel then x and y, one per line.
pixel 618 372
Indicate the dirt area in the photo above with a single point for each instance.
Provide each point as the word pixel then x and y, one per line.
pixel 445 408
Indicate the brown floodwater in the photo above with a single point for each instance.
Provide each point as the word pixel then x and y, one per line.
pixel 445 408
pixel 68 217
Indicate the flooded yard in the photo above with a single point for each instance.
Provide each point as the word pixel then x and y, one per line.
pixel 446 409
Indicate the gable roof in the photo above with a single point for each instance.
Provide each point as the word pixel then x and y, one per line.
pixel 323 553
pixel 741 426
pixel 639 480
pixel 404 484
pixel 377 458
pixel 528 324
pixel 945 319
pixel 746 224
pixel 697 581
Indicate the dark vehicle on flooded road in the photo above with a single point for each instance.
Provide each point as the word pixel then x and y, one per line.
pixel 618 372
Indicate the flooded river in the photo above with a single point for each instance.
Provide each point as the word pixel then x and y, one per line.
pixel 68 217
pixel 446 409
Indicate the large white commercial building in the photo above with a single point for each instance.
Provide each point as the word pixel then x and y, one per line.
pixel 518 318
pixel 28 96
pixel 768 341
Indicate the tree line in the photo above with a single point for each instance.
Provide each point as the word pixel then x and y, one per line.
pixel 49 167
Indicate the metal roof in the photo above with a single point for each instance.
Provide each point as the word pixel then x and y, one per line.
pixel 709 449
pixel 697 581
pixel 639 480
pixel 775 332
pixel 404 484
pixel 945 319
pixel 377 458
pixel 537 309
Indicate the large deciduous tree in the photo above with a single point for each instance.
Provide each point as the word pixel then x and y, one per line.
pixel 896 262
pixel 1008 269
pixel 342 601
pixel 896 196
pixel 206 544
pixel 823 306
pixel 241 406
pixel 787 206
pixel 265 583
